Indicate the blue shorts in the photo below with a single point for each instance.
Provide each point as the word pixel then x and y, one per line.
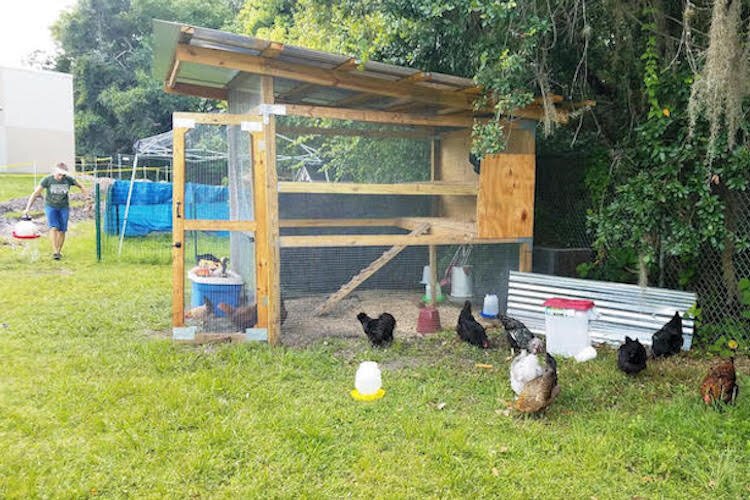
pixel 57 218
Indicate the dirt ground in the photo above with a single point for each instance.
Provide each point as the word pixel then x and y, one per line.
pixel 81 209
pixel 302 328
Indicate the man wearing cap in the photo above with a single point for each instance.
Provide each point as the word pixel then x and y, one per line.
pixel 56 204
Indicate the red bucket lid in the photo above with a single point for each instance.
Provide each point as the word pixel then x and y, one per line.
pixel 576 304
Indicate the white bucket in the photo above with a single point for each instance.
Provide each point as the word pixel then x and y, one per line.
pixel 461 285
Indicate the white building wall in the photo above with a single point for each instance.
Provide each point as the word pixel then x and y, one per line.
pixel 36 120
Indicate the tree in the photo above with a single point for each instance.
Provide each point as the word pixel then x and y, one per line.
pixel 106 45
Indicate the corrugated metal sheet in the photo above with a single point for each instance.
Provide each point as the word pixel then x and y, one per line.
pixel 167 35
pixel 621 309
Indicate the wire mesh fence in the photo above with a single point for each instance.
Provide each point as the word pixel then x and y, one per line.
pixel 331 152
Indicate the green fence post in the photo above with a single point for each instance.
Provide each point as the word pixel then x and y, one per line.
pixel 98 220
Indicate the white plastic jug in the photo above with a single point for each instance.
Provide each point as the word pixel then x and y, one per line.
pixel 491 307
pixel 368 379
pixel 461 284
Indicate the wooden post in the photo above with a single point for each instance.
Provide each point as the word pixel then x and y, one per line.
pixel 434 174
pixel 178 232
pixel 261 227
pixel 433 275
pixel 524 257
pixel 272 208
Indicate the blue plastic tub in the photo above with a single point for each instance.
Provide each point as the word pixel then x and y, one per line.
pixel 227 290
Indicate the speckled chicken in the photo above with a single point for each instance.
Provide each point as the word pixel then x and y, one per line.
pixel 516 332
pixel 668 340
pixel 526 366
pixel 469 330
pixel 720 385
pixel 539 393
pixel 631 356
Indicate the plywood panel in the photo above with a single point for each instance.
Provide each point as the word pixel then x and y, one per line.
pixel 505 204
pixel 454 166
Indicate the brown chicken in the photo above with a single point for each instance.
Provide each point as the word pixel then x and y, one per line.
pixel 539 393
pixel 242 317
pixel 720 385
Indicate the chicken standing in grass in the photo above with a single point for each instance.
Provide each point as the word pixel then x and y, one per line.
pixel 526 366
pixel 631 356
pixel 668 340
pixel 379 330
pixel 720 385
pixel 539 393
pixel 516 332
pixel 469 330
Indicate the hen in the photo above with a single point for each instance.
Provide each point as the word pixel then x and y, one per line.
pixel 539 393
pixel 379 330
pixel 526 367
pixel 631 356
pixel 469 329
pixel 201 312
pixel 668 340
pixel 242 317
pixel 518 335
pixel 720 385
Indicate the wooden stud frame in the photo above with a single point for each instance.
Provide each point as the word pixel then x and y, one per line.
pixel 178 210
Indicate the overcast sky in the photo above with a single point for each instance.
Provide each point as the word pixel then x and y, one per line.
pixel 24 27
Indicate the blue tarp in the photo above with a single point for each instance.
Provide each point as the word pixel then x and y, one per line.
pixel 151 206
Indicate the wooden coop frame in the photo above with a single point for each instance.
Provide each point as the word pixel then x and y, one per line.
pixel 273 79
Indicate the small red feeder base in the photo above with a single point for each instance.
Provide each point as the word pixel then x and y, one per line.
pixel 428 320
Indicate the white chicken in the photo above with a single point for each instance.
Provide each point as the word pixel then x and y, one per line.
pixel 526 367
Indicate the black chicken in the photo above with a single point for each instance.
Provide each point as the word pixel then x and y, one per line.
pixel 379 330
pixel 668 340
pixel 469 330
pixel 631 356
pixel 518 335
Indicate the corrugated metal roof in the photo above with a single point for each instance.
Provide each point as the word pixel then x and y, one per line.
pixel 416 85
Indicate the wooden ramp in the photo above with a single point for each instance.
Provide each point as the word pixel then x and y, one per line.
pixel 367 272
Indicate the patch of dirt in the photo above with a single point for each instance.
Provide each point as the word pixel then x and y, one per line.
pixel 302 328
pixel 81 208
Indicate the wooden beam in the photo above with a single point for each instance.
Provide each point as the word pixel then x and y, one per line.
pixel 433 275
pixel 178 233
pixel 173 74
pixel 385 222
pixel 272 50
pixel 218 118
pixel 366 115
pixel 260 212
pixel 197 91
pixel 415 188
pixel 524 258
pixel 365 273
pixel 385 240
pixel 219 225
pixel 422 133
pixel 348 65
pixel 329 78
pixel 272 211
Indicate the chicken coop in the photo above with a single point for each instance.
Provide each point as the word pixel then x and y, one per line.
pixel 343 182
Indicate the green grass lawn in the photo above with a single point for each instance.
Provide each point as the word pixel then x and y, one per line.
pixel 94 400
pixel 17 185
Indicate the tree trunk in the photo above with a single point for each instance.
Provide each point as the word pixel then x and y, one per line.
pixel 642 271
